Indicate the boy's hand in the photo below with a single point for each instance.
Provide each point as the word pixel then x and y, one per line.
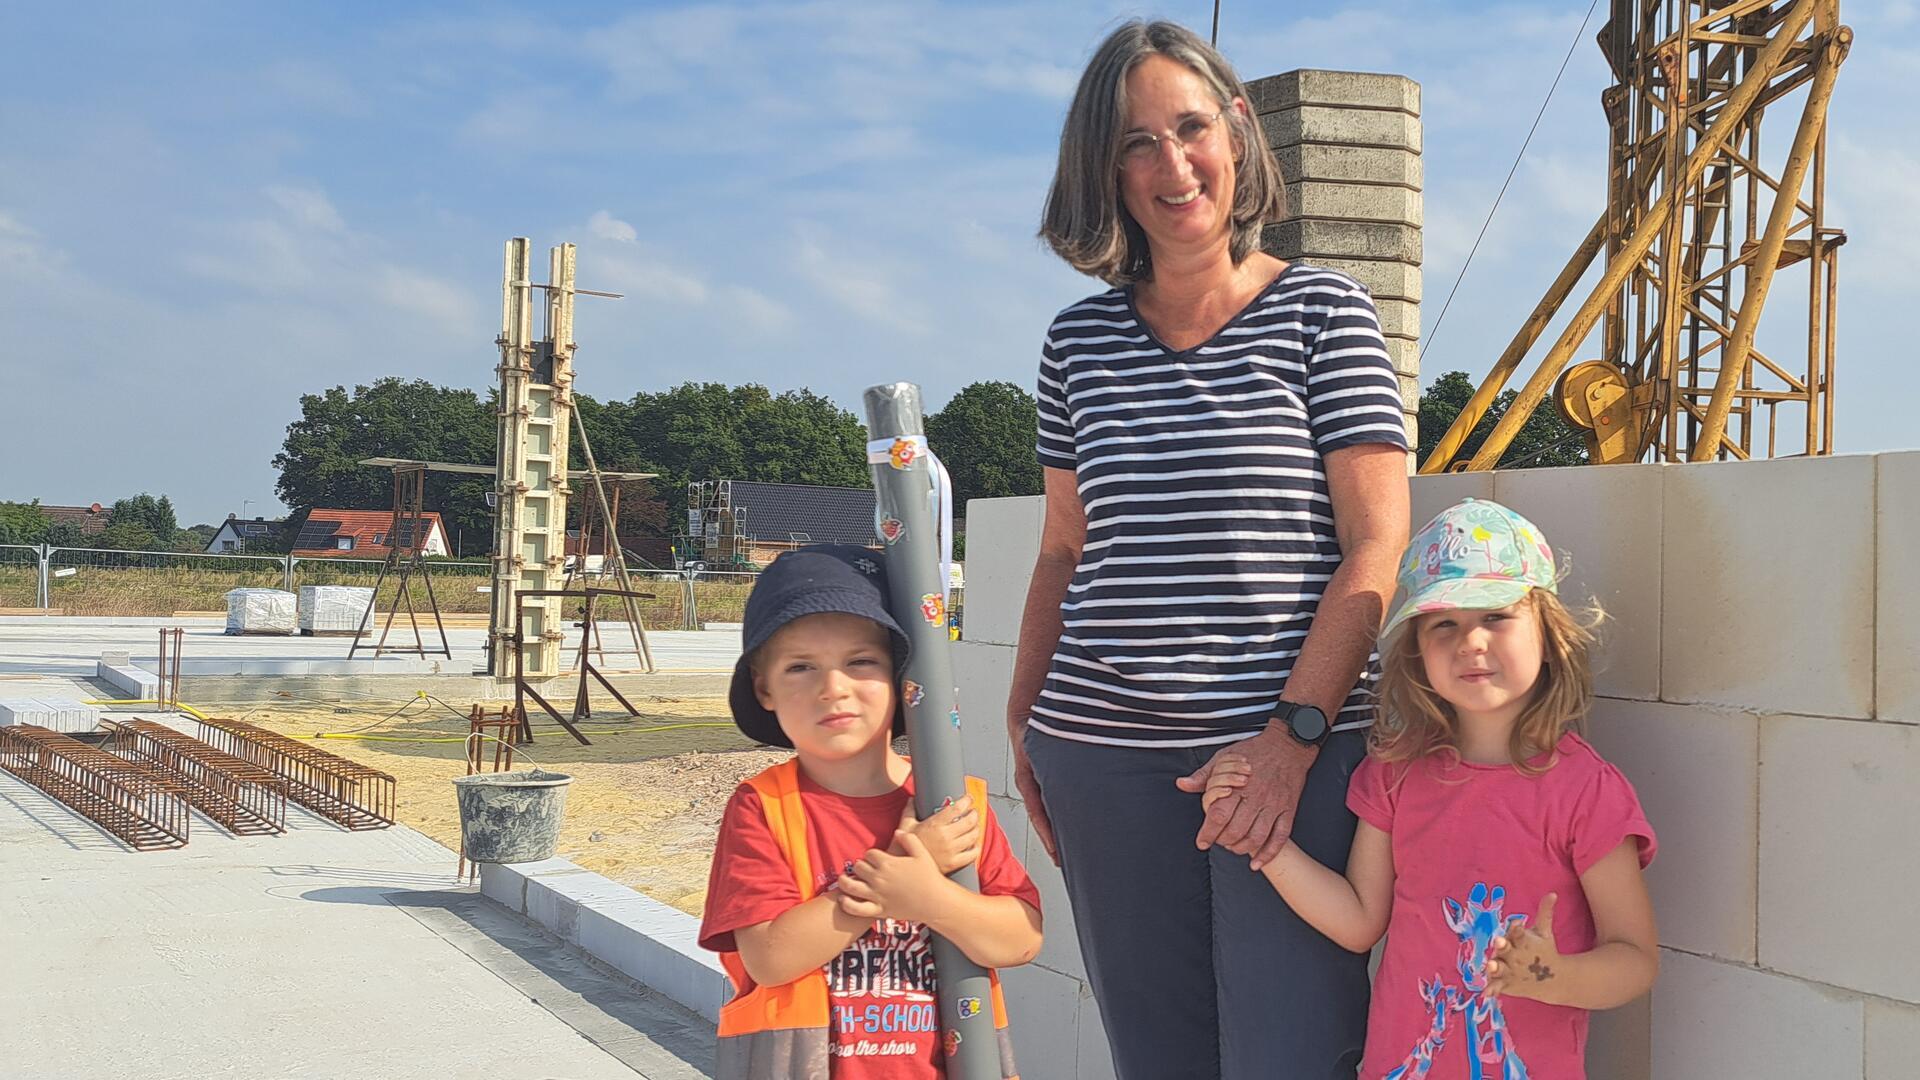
pixel 1230 773
pixel 906 886
pixel 952 835
pixel 1525 962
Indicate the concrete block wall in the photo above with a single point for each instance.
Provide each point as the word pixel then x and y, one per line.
pixel 1760 684
pixel 1349 147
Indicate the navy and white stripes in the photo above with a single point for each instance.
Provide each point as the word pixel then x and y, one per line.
pixel 1209 531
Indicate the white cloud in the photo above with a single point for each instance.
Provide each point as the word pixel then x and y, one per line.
pixel 607 227
pixel 309 207
pixel 863 284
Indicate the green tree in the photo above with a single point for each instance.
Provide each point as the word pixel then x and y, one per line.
pixel 320 461
pixel 139 523
pixel 1545 440
pixel 711 431
pixel 23 523
pixel 985 436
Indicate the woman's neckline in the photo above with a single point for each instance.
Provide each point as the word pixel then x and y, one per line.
pixel 1133 309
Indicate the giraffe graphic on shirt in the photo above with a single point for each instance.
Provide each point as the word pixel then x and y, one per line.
pixel 1444 1001
pixel 1492 1054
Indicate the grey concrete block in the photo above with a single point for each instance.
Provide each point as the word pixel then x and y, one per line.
pixel 1409 393
pixel 1405 355
pixel 1355 202
pixel 1384 280
pixel 1346 127
pixel 1307 238
pixel 131 682
pixel 1398 318
pixel 1350 164
pixel 1312 86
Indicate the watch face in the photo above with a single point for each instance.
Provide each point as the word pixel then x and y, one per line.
pixel 1309 724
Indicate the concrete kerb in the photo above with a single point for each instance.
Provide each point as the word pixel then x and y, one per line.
pixel 647 941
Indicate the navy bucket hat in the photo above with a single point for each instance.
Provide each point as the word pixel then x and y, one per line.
pixel 818 580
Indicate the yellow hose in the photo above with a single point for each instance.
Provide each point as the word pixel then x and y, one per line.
pixel 463 738
pixel 198 715
pixel 181 705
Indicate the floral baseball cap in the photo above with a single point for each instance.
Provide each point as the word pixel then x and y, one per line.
pixel 1475 555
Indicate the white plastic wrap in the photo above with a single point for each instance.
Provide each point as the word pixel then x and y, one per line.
pixel 325 608
pixel 261 611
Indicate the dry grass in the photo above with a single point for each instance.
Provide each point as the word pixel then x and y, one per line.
pixel 164 590
pixel 644 806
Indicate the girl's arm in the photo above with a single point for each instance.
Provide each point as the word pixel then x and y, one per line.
pixel 1352 911
pixel 1619 968
pixel 994 931
pixel 798 940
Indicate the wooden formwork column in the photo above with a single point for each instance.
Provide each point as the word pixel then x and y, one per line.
pixel 536 412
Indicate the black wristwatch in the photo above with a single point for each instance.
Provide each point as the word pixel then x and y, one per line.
pixel 1306 723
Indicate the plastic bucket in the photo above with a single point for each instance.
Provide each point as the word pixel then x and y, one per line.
pixel 511 817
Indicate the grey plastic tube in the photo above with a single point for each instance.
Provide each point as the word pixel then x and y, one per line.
pixel 905 487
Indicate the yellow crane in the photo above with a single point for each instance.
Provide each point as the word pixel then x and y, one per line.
pixel 1694 231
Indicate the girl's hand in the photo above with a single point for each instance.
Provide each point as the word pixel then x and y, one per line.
pixel 907 886
pixel 1525 962
pixel 1230 773
pixel 952 836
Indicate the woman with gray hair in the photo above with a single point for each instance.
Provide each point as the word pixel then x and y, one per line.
pixel 1226 479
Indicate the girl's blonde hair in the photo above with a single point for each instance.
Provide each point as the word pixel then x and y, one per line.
pixel 1413 720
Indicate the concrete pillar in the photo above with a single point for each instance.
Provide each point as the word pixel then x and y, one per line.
pixel 1349 146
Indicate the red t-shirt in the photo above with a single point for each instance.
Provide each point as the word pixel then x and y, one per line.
pixel 885 1023
pixel 1473 846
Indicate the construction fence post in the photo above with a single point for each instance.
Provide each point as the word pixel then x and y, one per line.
pixel 45 589
pixel 691 613
pixel 287 578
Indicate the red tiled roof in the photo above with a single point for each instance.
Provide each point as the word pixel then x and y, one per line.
pixel 91 519
pixel 323 528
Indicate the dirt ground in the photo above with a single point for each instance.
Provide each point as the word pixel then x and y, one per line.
pixel 647 794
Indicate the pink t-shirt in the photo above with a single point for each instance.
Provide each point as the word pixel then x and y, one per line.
pixel 1473 846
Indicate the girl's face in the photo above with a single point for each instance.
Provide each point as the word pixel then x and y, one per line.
pixel 1181 193
pixel 1483 663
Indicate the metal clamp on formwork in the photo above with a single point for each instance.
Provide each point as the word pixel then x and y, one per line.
pixel 121 797
pixel 345 792
pixel 244 798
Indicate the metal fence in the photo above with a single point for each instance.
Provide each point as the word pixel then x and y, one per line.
pixel 90 581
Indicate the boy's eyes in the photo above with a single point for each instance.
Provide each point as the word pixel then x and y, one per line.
pixel 800 666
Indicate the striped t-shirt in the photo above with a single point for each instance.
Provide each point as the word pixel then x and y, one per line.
pixel 1209 531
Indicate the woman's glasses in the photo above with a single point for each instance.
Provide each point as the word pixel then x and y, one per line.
pixel 1140 149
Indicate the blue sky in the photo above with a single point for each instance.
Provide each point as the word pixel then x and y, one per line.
pixel 209 209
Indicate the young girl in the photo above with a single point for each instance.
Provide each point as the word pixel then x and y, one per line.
pixel 1495 849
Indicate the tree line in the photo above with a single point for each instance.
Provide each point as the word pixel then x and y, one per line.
pixel 691 432
pixel 136 523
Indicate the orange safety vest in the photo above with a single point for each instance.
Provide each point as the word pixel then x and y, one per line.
pixel 782 1032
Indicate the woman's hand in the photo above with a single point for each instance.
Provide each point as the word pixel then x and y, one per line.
pixel 952 835
pixel 1525 962
pixel 1257 819
pixel 907 886
pixel 1029 787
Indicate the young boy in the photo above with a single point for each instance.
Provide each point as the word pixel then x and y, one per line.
pixel 824 889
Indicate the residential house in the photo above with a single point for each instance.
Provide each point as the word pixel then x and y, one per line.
pixel 91 519
pixel 762 520
pixel 360 534
pixel 235 532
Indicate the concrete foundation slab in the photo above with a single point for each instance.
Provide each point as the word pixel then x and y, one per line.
pixel 315 953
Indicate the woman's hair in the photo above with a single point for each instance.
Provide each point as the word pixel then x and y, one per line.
pixel 1085 221
pixel 1413 720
